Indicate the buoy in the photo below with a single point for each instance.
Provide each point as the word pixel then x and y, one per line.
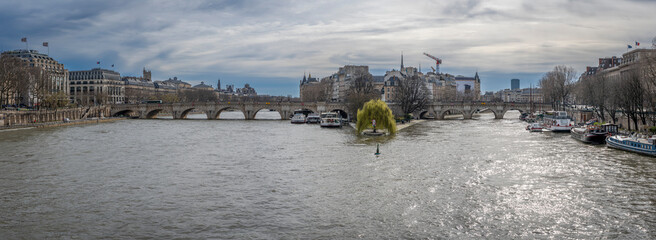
pixel 377 149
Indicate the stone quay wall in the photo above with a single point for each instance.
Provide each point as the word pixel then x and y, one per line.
pixel 27 118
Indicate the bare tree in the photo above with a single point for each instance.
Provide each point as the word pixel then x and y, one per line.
pixel 631 96
pixel 360 91
pixel 412 94
pixel 557 85
pixel 595 91
pixel 9 77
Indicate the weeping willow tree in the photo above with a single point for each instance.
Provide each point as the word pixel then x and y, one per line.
pixel 378 110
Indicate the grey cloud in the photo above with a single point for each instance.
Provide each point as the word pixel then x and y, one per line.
pixel 279 39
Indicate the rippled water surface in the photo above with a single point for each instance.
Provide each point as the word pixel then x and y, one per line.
pixel 163 179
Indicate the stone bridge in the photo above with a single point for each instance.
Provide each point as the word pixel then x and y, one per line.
pixel 467 109
pixel 286 109
pixel 214 109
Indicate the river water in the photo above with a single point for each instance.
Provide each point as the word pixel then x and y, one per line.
pixel 260 179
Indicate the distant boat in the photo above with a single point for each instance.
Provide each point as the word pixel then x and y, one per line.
pixel 593 134
pixel 330 119
pixel 634 143
pixel 313 118
pixel 534 127
pixel 557 121
pixel 298 118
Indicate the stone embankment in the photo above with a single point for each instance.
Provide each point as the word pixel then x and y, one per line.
pixel 58 117
pixel 400 127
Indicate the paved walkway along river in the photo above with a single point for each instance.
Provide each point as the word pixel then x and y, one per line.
pixel 164 179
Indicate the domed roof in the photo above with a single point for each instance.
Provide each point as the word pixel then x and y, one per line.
pixel 202 85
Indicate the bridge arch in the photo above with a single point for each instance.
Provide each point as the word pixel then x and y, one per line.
pixel 123 113
pixel 503 113
pixel 184 113
pixel 217 114
pixel 427 114
pixel 152 113
pixel 342 113
pixel 465 114
pixel 281 112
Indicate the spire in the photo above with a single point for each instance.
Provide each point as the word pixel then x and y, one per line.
pixel 309 76
pixel 476 77
pixel 401 62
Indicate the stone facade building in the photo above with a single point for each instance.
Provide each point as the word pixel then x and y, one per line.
pixel 58 75
pixel 96 86
pixel 203 86
pixel 179 84
pixel 469 88
pixel 138 89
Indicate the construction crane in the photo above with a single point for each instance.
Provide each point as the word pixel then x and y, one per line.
pixel 433 68
pixel 437 62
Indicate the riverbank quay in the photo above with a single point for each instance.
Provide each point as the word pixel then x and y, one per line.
pixel 400 127
pixel 62 123
pixel 19 119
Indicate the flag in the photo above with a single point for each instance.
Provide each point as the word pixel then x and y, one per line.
pixel 637 44
pixel 629 46
pixel 45 44
pixel 97 62
pixel 112 65
pixel 23 39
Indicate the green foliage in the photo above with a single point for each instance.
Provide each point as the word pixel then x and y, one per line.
pixel 376 109
pixel 652 130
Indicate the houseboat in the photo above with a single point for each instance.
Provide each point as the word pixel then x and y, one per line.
pixel 557 121
pixel 593 134
pixel 298 118
pixel 633 143
pixel 330 119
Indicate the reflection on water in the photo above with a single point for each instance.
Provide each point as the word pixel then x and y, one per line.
pixel 163 179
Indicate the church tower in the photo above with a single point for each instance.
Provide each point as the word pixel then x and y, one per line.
pixel 147 75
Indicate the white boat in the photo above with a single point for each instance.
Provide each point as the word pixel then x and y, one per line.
pixel 633 143
pixel 557 121
pixel 298 118
pixel 313 118
pixel 330 119
pixel 534 127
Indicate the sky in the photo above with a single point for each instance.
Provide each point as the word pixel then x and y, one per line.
pixel 272 44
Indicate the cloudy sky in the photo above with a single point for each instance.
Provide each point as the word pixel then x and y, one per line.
pixel 270 44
